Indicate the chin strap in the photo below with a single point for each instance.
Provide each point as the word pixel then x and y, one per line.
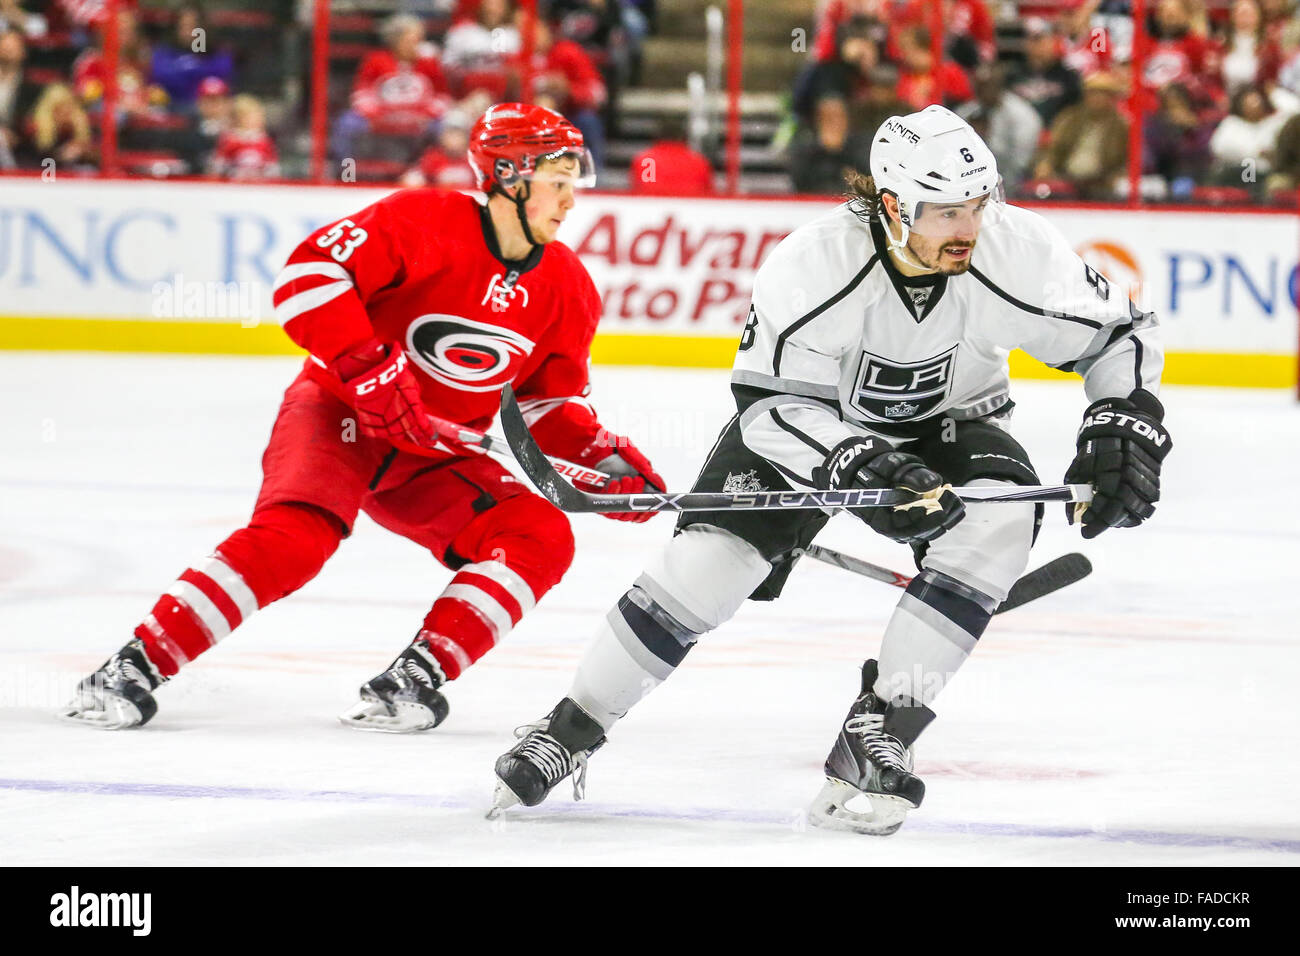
pixel 898 247
pixel 520 197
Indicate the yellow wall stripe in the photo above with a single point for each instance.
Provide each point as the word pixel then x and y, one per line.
pixel 230 338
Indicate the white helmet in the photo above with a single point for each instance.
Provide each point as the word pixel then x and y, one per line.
pixel 933 156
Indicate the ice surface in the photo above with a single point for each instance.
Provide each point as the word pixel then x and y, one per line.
pixel 1145 715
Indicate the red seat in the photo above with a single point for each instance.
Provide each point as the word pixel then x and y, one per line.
pixel 42 76
pixel 379 170
pixel 155 120
pixel 159 163
pixel 241 19
pixel 1049 189
pixel 1221 195
pixel 56 40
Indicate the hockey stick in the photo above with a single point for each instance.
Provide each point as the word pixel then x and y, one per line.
pixel 1052 576
pixel 470 439
pixel 567 498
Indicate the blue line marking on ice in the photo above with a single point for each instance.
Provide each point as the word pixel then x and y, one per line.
pixel 595 811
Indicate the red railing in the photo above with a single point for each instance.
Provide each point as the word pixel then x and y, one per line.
pixel 319 94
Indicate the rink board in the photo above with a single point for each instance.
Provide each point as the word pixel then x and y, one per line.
pixel 189 267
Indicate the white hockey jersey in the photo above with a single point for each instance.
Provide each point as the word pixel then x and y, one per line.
pixel 839 343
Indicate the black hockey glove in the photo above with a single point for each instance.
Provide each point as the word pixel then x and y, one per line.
pixel 873 463
pixel 1121 445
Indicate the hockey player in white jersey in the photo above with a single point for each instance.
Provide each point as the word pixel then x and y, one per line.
pixel 876 355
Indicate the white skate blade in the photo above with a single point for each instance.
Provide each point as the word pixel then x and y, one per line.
pixel 829 812
pixel 112 713
pixel 407 717
pixel 503 798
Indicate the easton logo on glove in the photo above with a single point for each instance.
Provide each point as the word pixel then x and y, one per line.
pixel 1121 447
pixel 1140 425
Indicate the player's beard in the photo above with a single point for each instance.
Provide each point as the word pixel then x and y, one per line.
pixel 935 259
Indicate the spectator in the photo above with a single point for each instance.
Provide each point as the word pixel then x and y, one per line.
pixel 17 96
pixel 968 28
pixel 1179 52
pixel 844 76
pixel 246 151
pixel 445 164
pixel 1289 72
pixel 566 80
pixel 1089 141
pixel 670 167
pixel 135 95
pixel 1285 178
pixel 1007 124
pixel 921 81
pixel 880 102
pixel 595 25
pixel 211 118
pixel 826 38
pixel 179 66
pixel 820 157
pixel 1177 142
pixel 13 17
pixel 1043 80
pixel 1248 56
pixel 476 49
pixel 1087 42
pixel 1243 143
pixel 1277 15
pixel 400 89
pixel 60 129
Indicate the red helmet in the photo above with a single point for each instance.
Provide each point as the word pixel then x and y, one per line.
pixel 509 140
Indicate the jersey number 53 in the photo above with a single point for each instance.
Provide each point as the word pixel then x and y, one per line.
pixel 340 248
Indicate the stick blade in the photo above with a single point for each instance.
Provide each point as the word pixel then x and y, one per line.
pixel 532 460
pixel 1052 576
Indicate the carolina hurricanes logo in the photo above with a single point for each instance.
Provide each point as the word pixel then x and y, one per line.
pixel 466 355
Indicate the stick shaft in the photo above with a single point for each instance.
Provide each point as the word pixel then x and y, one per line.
pixel 532 460
pixel 469 438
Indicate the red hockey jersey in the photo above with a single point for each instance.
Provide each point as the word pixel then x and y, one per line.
pixel 421 268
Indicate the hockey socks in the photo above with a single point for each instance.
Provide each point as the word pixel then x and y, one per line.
pixel 698 582
pixel 933 630
pixel 283 547
pixel 483 603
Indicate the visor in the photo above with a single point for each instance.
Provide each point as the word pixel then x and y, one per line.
pixel 574 166
pixel 943 220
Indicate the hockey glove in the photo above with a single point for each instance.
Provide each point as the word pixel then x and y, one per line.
pixel 632 472
pixel 873 463
pixel 384 393
pixel 1121 445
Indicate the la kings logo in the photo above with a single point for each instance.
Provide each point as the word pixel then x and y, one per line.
pixel 888 391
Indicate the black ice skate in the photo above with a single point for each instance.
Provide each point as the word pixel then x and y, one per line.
pixel 872 759
pixel 119 694
pixel 403 699
pixel 548 751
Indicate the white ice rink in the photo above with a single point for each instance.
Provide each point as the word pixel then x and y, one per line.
pixel 1147 715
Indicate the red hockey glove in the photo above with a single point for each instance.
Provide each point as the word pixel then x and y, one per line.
pixel 632 472
pixel 384 393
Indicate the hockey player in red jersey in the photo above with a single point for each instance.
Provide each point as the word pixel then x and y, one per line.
pixel 425 303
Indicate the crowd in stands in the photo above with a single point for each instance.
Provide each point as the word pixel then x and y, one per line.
pixel 220 89
pixel 414 84
pixel 1050 91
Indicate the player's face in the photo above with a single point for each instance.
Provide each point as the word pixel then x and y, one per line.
pixel 550 197
pixel 943 236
